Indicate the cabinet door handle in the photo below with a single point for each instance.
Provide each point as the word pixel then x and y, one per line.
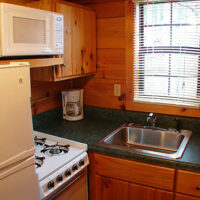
pixel 198 187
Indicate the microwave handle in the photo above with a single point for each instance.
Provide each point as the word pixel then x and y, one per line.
pixel 47 51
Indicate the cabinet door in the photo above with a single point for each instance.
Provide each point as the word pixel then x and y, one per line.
pixel 188 183
pixel 138 192
pixel 108 189
pixel 89 42
pixel 79 40
pixel 185 197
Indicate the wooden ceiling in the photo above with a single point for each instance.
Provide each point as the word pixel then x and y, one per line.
pixel 91 1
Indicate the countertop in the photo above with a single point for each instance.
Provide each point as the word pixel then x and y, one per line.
pixel 93 128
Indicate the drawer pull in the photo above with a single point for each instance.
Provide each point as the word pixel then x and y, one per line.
pixel 198 187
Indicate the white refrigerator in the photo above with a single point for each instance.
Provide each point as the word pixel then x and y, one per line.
pixel 18 180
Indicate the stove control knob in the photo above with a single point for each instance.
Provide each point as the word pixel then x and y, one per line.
pixel 74 167
pixel 67 172
pixel 81 163
pixel 59 178
pixel 50 185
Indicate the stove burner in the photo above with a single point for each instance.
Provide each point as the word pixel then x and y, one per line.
pixel 39 161
pixel 39 141
pixel 55 149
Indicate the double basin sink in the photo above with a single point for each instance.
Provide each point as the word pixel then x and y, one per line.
pixel 149 140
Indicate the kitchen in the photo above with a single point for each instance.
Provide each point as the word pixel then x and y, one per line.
pixel 104 112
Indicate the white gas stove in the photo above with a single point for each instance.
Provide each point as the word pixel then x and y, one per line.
pixel 58 162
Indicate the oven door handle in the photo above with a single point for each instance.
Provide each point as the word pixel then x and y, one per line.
pixel 66 186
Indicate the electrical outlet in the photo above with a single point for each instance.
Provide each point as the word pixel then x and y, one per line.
pixel 117 90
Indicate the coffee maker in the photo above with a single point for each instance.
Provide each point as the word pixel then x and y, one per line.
pixel 72 101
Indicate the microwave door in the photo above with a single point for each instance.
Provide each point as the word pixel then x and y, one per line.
pixel 26 31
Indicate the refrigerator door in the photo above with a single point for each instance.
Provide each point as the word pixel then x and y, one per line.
pixel 15 114
pixel 19 181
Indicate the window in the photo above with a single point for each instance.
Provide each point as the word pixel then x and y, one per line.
pixel 167 53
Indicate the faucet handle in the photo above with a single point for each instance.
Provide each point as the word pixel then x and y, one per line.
pixel 152 119
pixel 178 124
pixel 150 114
pixel 149 117
pixel 130 123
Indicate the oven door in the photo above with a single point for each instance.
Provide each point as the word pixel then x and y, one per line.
pixel 26 31
pixel 76 189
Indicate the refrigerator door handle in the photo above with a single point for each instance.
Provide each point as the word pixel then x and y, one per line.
pixel 22 156
pixel 11 169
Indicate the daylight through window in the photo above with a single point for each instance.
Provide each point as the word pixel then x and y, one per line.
pixel 167 53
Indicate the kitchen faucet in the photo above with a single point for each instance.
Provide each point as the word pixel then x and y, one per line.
pixel 151 120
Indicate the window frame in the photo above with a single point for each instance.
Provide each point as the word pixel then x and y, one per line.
pixel 130 66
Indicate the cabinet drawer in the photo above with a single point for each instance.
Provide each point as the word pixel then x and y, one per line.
pixel 185 197
pixel 188 183
pixel 136 172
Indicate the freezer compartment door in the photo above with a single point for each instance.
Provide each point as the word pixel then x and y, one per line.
pixel 21 183
pixel 15 114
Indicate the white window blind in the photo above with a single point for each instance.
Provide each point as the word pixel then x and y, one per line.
pixel 167 52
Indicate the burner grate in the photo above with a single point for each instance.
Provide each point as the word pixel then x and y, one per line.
pixel 39 141
pixel 55 149
pixel 39 161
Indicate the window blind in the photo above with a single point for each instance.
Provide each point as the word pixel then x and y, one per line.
pixel 167 52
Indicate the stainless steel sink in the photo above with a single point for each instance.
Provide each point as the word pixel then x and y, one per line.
pixel 160 142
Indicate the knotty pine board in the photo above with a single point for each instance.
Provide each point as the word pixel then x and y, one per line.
pixel 47 95
pixel 111 32
pixel 103 10
pixel 41 4
pixel 111 56
pixel 99 92
pixel 111 64
pixel 91 1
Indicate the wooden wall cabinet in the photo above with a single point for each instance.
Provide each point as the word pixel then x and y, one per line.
pixel 115 178
pixel 80 40
pixel 79 44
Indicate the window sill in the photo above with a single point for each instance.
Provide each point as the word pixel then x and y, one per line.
pixel 170 110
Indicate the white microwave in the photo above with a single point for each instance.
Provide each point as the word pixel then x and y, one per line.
pixel 28 31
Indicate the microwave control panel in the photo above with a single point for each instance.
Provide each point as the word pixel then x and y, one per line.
pixel 59 36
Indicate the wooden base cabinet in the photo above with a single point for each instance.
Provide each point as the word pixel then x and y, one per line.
pixel 109 188
pixel 188 183
pixel 138 192
pixel 121 179
pixel 185 197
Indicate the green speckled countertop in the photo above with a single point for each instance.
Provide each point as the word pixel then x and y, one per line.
pixel 98 123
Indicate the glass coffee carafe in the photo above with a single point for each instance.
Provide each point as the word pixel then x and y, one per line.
pixel 73 109
pixel 73 106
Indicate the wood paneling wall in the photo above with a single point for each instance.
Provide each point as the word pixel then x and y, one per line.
pixel 41 4
pixel 47 95
pixel 99 90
